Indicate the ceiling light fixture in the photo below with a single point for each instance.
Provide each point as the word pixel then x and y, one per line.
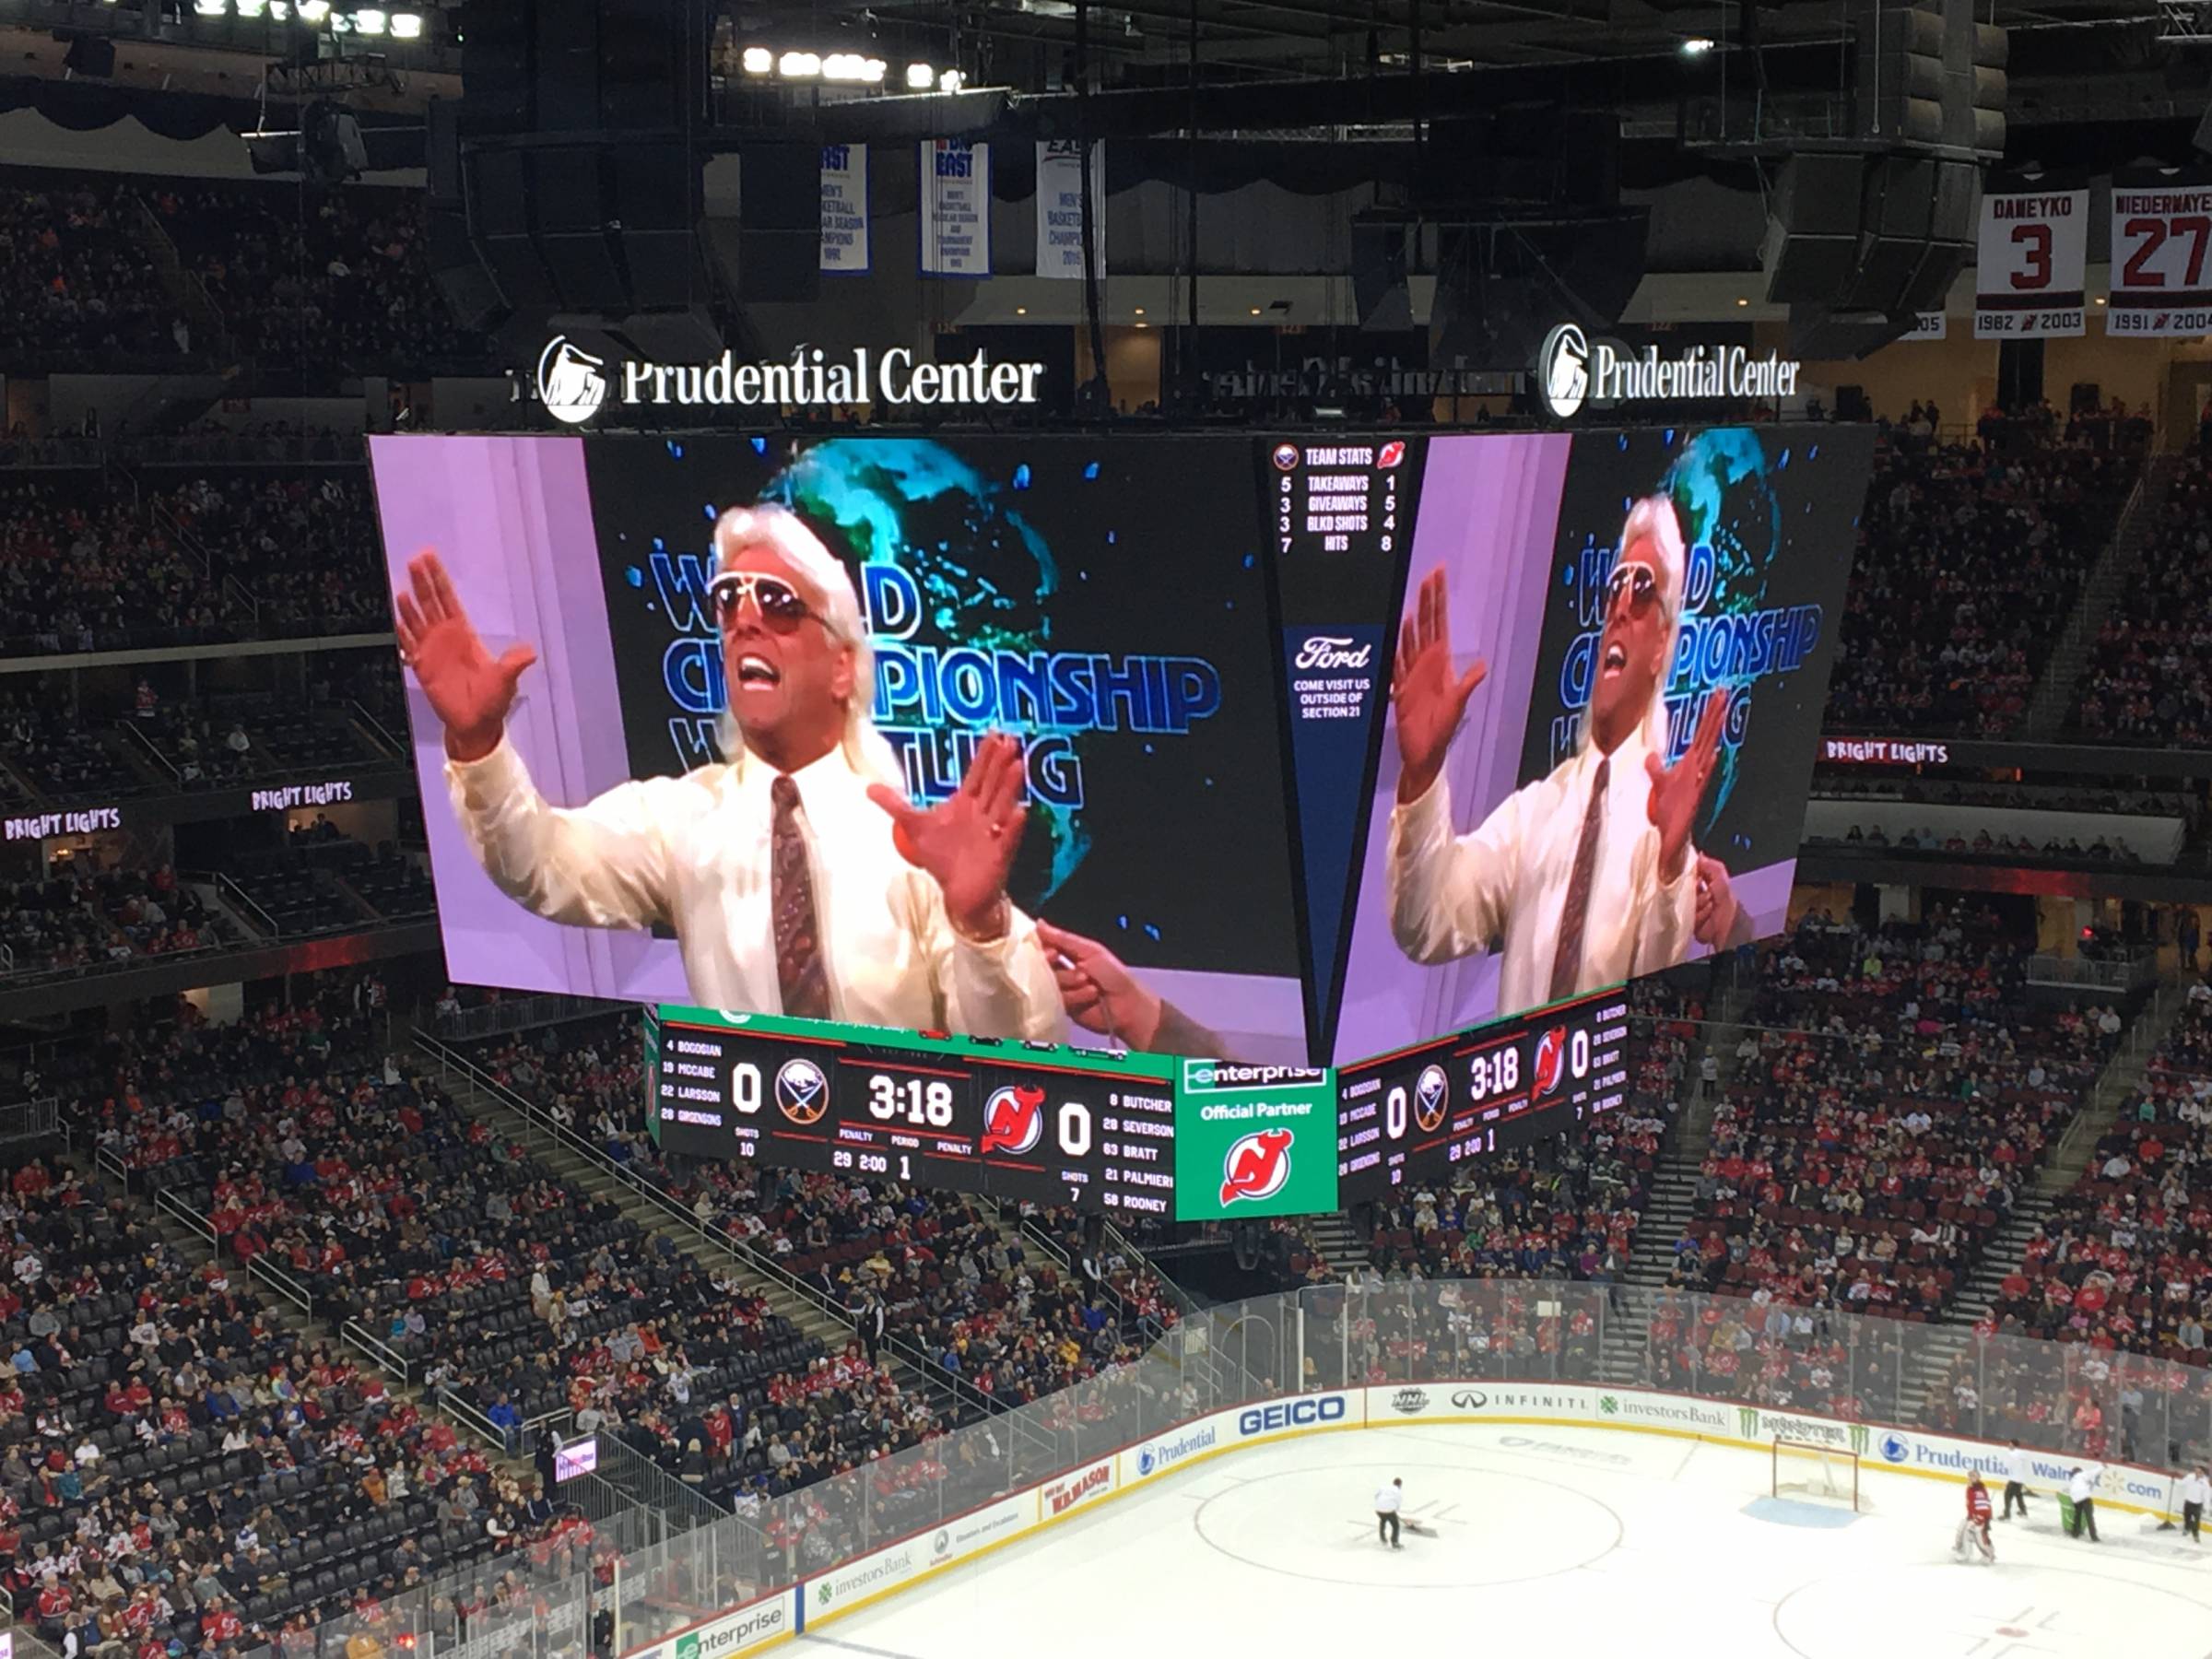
pixel 920 78
pixel 759 60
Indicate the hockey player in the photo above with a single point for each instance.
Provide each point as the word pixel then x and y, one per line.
pixel 1976 1524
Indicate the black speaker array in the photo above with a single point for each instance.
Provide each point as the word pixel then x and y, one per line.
pixel 569 180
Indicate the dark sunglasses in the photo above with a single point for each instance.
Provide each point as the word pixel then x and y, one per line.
pixel 780 605
pixel 1641 585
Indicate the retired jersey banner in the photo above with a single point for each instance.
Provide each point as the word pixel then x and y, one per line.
pixel 2030 263
pixel 845 209
pixel 956 209
pixel 1929 325
pixel 1060 208
pixel 2161 257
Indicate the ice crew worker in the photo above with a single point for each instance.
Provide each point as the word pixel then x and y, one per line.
pixel 1387 1503
pixel 2019 1466
pixel 2196 1491
pixel 2081 1491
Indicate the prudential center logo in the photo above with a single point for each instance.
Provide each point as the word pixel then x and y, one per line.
pixel 1563 366
pixel 569 382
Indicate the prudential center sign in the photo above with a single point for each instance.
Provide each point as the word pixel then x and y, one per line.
pixel 575 384
pixel 1573 370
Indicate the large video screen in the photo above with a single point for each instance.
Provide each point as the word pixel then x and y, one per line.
pixel 1275 752
pixel 1606 672
pixel 976 734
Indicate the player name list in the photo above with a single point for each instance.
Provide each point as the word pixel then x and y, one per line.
pixel 1137 1140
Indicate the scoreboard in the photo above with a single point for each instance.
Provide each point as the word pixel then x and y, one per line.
pixel 1097 1132
pixel 1136 1135
pixel 1414 1116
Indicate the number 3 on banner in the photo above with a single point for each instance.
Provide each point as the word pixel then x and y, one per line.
pixel 2036 240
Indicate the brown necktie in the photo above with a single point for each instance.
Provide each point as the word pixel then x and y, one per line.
pixel 1566 964
pixel 799 974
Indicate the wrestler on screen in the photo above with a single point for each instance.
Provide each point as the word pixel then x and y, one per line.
pixel 1586 877
pixel 796 875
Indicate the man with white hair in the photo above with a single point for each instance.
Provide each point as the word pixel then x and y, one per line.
pixel 1587 876
pixel 796 875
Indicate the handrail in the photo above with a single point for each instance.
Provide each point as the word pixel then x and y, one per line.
pixel 168 1204
pixel 182 534
pixel 151 748
pixel 721 1238
pixel 383 734
pixel 223 883
pixel 41 1118
pixel 384 1353
pixel 517 1014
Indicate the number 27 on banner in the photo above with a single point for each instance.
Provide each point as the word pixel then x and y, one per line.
pixel 2161 241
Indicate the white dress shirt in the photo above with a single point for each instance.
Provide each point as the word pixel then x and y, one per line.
pixel 693 853
pixel 2083 1485
pixel 1388 1500
pixel 2195 1489
pixel 1451 896
pixel 2019 1464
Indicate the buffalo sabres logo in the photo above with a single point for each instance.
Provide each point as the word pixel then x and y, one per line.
pixel 801 1089
pixel 1429 1093
pixel 1256 1166
pixel 1014 1119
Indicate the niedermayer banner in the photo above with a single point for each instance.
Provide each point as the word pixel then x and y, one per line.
pixel 956 209
pixel 1060 208
pixel 845 209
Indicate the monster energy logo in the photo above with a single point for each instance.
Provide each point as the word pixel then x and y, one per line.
pixel 1748 1417
pixel 1860 1435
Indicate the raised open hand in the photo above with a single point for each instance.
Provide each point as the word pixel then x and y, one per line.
pixel 1430 698
pixel 966 842
pixel 469 689
pixel 1676 790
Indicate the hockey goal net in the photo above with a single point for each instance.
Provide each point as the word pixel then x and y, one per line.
pixel 1810 1469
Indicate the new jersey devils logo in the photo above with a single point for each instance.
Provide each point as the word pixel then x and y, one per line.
pixel 1256 1166
pixel 1429 1094
pixel 1550 1049
pixel 1012 1119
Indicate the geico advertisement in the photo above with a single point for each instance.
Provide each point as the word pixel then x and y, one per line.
pixel 1304 1411
pixel 978 1528
pixel 732 1634
pixel 1071 1491
pixel 1165 1452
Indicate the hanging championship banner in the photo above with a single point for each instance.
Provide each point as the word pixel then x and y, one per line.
pixel 1929 325
pixel 1060 208
pixel 956 209
pixel 845 209
pixel 2029 268
pixel 2161 258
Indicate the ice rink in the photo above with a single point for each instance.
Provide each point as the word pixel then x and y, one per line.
pixel 1618 1543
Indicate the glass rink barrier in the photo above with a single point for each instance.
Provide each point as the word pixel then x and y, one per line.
pixel 638 1578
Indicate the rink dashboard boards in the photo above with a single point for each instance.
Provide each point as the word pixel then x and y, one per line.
pixel 1125 1134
